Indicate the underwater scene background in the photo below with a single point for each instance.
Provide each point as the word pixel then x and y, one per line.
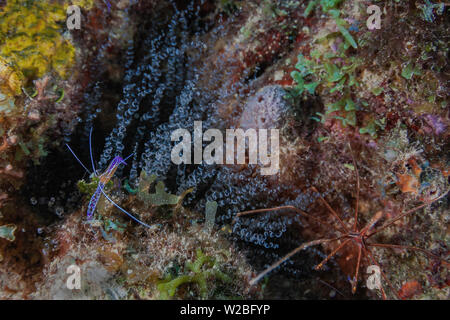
pixel 360 100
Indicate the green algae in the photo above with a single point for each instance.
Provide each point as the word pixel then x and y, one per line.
pixel 7 232
pixel 160 197
pixel 201 270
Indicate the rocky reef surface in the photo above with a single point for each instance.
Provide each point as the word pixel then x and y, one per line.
pixel 362 113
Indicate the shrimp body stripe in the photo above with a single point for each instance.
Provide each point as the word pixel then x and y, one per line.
pixel 94 200
pixel 109 173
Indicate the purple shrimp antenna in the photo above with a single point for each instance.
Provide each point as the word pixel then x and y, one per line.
pixel 79 161
pixel 90 152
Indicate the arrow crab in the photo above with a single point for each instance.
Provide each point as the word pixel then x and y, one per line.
pixel 349 237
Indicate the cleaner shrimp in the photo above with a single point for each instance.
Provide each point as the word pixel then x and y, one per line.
pixel 104 178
